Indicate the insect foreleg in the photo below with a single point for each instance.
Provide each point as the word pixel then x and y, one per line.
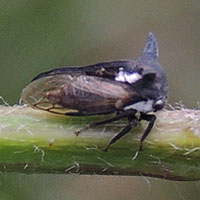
pixel 151 119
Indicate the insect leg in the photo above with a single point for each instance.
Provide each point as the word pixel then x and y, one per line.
pixel 123 132
pixel 151 119
pixel 94 124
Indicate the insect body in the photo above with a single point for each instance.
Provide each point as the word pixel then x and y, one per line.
pixel 123 87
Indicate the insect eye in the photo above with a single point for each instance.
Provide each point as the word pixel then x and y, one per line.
pixel 158 105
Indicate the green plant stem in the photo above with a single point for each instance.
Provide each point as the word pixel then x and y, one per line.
pixel 33 141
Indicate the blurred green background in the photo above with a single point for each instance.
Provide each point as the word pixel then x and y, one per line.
pixel 39 35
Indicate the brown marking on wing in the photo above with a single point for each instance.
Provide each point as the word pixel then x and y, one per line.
pixel 64 94
pixel 95 94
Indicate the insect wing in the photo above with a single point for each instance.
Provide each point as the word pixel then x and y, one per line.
pixel 97 95
pixel 36 95
pixel 78 94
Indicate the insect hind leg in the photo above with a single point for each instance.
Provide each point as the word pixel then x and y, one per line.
pixel 117 117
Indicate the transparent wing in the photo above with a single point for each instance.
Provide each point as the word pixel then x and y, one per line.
pixel 78 94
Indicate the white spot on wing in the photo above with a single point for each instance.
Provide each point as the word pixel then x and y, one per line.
pixel 142 106
pixel 132 78
pixel 128 77
pixel 120 77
